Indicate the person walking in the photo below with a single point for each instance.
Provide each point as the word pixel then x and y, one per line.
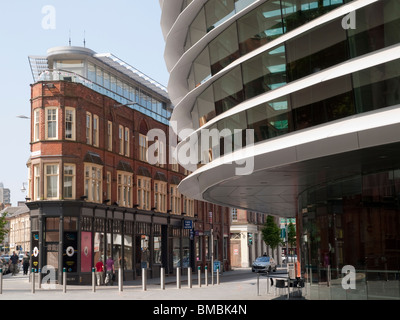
pixel 25 263
pixel 14 263
pixel 100 272
pixel 109 271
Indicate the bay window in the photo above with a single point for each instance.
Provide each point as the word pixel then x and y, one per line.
pixel 93 182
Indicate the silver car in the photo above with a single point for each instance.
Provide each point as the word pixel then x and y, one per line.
pixel 263 264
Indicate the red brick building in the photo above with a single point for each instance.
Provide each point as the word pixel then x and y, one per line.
pixel 92 191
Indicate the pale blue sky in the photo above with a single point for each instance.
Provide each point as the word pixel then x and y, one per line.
pixel 130 29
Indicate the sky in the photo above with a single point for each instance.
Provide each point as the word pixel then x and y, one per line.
pixel 129 29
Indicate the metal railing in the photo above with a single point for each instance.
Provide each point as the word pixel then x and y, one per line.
pixel 64 75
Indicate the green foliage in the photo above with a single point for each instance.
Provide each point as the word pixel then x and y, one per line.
pixel 271 233
pixel 3 230
pixel 291 235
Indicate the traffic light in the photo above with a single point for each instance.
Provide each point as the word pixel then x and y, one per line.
pixel 250 238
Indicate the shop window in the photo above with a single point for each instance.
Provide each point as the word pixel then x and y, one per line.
pixel 157 244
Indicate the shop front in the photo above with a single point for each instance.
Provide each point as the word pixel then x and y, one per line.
pixel 74 236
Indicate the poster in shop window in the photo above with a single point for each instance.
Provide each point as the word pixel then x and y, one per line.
pixel 70 251
pixel 86 252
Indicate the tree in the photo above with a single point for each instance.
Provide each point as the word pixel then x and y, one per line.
pixel 291 235
pixel 3 230
pixel 271 233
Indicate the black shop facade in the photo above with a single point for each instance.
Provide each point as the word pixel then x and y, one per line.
pixel 74 235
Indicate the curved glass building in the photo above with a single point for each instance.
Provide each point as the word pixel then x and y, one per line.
pixel 305 94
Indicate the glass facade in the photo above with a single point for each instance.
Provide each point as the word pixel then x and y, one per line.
pixel 320 48
pixel 101 81
pixel 211 15
pixel 352 222
pixel 263 24
pixel 328 101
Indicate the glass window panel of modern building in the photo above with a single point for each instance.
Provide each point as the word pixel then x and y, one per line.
pixel 354 207
pixel 315 50
pixel 332 100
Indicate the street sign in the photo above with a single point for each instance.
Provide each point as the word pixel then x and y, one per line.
pixel 217 265
pixel 187 224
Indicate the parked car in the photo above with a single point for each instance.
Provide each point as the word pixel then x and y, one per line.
pixel 263 264
pixel 5 263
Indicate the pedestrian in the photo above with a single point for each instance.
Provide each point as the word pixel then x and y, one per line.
pixel 100 272
pixel 14 263
pixel 109 271
pixel 25 263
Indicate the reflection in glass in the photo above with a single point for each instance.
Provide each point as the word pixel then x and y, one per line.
pixel 354 221
pixel 176 249
pixel 98 248
pixel 228 91
pixel 327 101
pixel 259 26
pixel 224 49
pixel 217 12
pixel 299 12
pixel 128 253
pixel 265 72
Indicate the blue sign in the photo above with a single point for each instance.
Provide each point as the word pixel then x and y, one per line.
pixel 187 224
pixel 217 265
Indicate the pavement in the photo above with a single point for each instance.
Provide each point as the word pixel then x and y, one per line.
pixel 238 284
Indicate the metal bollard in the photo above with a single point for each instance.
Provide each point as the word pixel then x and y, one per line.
pixel 144 279
pixel 206 274
pixel 120 280
pixel 40 279
pixel 1 281
pixel 217 274
pixel 212 274
pixel 93 280
pixel 199 276
pixel 178 278
pixel 64 280
pixel 162 278
pixel 33 280
pixel 258 284
pixel 189 277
